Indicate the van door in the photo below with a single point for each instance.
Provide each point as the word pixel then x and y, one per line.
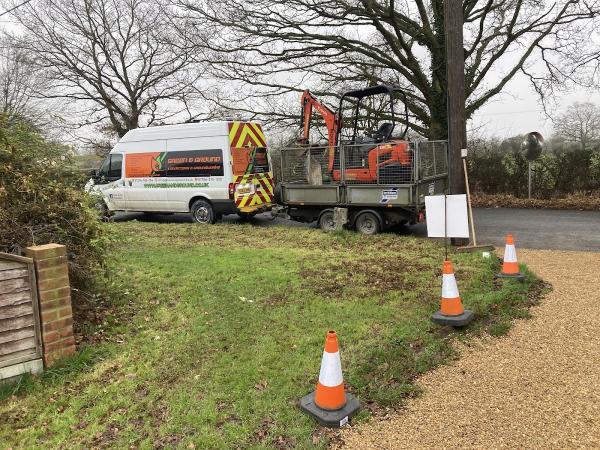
pixel 145 187
pixel 110 181
pixel 196 168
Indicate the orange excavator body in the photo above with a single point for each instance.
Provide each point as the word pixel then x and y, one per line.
pixel 397 152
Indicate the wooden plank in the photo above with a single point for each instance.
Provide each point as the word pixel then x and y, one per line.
pixel 35 303
pixel 7 265
pixel 11 257
pixel 17 346
pixel 9 312
pixel 16 335
pixel 18 357
pixel 14 323
pixel 13 273
pixel 26 365
pixel 13 285
pixel 15 298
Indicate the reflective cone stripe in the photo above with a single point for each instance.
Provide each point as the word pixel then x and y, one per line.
pixel 510 266
pixel 330 392
pixel 451 304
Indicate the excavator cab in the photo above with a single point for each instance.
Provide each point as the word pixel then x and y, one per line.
pixel 372 115
pixel 372 153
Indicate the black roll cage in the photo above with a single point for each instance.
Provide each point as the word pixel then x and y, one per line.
pixel 369 92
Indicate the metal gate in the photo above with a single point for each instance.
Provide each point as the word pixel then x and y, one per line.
pixel 20 336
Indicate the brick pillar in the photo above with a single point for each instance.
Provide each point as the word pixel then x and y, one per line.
pixel 54 294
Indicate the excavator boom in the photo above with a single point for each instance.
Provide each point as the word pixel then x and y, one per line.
pixel 309 102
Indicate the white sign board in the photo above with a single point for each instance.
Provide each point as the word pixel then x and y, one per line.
pixel 458 219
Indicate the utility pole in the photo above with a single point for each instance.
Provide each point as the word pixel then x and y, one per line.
pixel 455 73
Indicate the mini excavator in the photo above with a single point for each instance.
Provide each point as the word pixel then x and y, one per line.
pixel 369 158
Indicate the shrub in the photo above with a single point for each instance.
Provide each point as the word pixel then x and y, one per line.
pixel 42 200
pixel 558 173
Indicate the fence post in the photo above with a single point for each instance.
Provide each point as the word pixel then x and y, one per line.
pixel 54 294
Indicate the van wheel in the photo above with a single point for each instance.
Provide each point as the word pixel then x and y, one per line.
pixel 202 212
pixel 105 214
pixel 326 222
pixel 367 223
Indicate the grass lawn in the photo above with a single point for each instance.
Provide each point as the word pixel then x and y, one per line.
pixel 225 330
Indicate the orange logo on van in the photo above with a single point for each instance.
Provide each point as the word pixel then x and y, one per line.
pixel 143 165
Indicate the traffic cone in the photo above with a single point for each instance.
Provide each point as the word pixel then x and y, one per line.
pixel 329 403
pixel 510 266
pixel 451 310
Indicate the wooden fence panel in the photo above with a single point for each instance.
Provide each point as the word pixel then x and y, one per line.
pixel 19 319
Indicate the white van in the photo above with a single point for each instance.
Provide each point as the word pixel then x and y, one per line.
pixel 208 169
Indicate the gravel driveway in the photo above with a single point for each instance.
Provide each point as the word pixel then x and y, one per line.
pixel 538 387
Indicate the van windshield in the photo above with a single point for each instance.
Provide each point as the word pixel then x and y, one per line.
pixel 110 170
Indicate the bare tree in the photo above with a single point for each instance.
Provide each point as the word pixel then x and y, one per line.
pixel 580 124
pixel 116 59
pixel 275 48
pixel 18 80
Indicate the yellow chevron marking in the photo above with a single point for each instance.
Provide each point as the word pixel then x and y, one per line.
pixel 233 132
pixel 243 201
pixel 258 131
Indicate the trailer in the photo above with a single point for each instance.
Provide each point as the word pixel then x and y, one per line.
pixel 367 188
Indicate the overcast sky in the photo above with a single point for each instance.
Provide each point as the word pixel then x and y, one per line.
pixel 518 111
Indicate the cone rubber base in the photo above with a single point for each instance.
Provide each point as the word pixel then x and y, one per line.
pixel 517 276
pixel 454 321
pixel 336 418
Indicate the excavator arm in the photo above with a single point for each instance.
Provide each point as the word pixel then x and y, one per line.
pixel 309 102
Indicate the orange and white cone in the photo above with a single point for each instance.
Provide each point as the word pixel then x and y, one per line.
pixel 510 266
pixel 329 403
pixel 451 310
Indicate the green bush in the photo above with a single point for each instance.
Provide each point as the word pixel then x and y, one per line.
pixel 42 200
pixel 556 173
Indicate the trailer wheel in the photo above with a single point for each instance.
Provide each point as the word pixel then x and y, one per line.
pixel 367 223
pixel 326 222
pixel 202 212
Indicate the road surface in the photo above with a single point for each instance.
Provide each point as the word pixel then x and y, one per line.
pixel 532 228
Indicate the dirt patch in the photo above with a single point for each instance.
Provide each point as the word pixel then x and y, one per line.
pixel 170 441
pixel 106 438
pixel 376 275
pixel 262 432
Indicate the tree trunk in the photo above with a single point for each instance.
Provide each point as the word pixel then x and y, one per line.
pixel 438 126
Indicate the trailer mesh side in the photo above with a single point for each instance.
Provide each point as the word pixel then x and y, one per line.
pixel 433 159
pixel 367 163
